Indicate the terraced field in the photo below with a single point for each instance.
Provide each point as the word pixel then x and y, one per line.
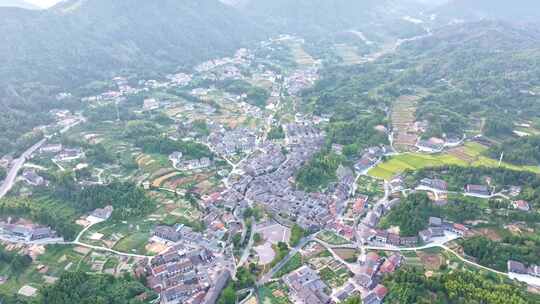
pixel 349 54
pixel 403 117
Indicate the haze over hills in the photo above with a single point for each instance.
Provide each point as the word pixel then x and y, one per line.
pixel 518 10
pixel 309 17
pixel 84 39
pixel 19 4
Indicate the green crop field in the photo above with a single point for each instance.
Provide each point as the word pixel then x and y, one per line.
pixel 414 161
pixel 134 243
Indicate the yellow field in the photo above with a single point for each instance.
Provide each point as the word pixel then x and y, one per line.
pixel 159 181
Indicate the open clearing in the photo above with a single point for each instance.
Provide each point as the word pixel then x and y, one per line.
pixel 413 161
pixel 468 155
pixel 349 54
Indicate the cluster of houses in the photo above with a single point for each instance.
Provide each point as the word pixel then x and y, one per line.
pixel 432 145
pixel 189 164
pixel 268 159
pixel 100 214
pixel 370 157
pixel 62 153
pixel 186 275
pixel 180 233
pixel 366 230
pixel 301 79
pixel 306 287
pixel 26 232
pixel 274 189
pixel 520 268
pixel 231 142
pixel 371 272
pixel 437 228
pixel 32 178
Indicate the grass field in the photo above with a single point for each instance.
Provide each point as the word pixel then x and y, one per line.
pixel 415 161
pixel 134 243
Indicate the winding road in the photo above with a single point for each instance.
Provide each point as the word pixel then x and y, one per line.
pixel 9 181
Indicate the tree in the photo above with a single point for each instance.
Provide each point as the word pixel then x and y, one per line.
pixel 3 173
pixel 297 233
pixel 79 287
pixel 228 295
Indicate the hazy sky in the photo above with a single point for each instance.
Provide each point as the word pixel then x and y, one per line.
pixel 43 3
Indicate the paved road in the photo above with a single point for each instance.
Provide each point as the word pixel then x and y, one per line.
pixel 19 162
pixel 9 181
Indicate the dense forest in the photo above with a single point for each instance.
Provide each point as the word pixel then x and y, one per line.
pixel 255 95
pixel 127 199
pixel 522 248
pixel 412 286
pixel 79 287
pixel 355 131
pixel 413 212
pixel 14 262
pixel 465 68
pixel 318 172
pixel 54 214
pixel 457 177
pixel 166 146
pixel 521 151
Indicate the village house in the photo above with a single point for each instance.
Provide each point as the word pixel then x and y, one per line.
pixel 175 158
pixel 521 205
pixel 5 161
pixel 431 145
pixel 101 214
pixel 32 178
pixel 167 233
pixel 534 270
pixel 436 184
pixel 366 275
pixel 376 296
pixel 306 287
pixel 69 154
pixel 26 233
pixel 194 164
pixel 52 148
pixel 477 190
pixel 516 267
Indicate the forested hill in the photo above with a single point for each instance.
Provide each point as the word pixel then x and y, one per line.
pixel 517 10
pixel 81 40
pixel 480 70
pixel 313 18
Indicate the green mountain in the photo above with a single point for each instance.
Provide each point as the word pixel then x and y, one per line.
pixel 82 40
pixel 313 18
pixel 479 74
